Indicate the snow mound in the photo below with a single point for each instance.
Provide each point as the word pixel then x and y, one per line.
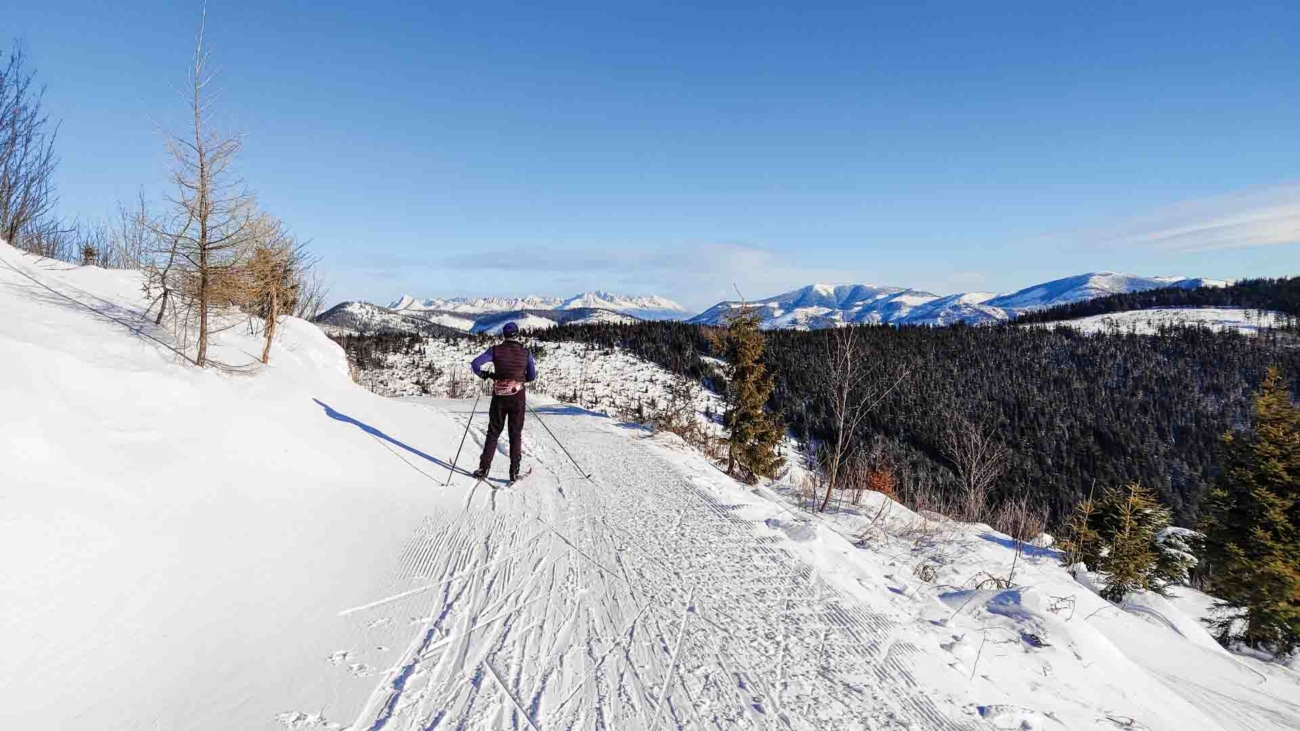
pixel 189 534
pixel 1033 647
pixel 800 531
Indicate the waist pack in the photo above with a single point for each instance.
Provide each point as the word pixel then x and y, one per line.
pixel 506 387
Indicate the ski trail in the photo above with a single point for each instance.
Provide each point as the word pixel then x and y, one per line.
pixel 637 600
pixel 672 665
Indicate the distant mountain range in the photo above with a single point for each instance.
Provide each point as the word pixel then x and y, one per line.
pixel 822 305
pixel 644 308
pixel 490 314
pixel 808 308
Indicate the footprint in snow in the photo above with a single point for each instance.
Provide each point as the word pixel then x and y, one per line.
pixel 299 721
pixel 1015 718
pixel 340 657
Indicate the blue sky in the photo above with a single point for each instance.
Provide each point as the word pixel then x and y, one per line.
pixel 497 148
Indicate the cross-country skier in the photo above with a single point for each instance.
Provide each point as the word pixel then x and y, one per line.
pixel 512 367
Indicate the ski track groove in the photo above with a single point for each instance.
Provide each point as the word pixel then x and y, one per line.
pixel 586 629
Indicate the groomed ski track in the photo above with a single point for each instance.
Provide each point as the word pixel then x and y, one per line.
pixel 639 599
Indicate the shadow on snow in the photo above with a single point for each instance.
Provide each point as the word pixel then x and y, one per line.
pixel 566 410
pixel 335 415
pixel 1025 548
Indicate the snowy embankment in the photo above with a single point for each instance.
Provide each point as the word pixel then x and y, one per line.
pixel 192 549
pixel 178 541
pixel 1149 322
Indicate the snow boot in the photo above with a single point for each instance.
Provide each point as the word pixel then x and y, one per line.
pixel 514 475
pixel 480 474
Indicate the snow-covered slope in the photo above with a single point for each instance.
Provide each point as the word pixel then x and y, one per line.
pixel 276 549
pixel 1146 322
pixel 824 305
pixel 366 318
pixel 526 322
pixel 652 307
pixel 611 381
pixel 1089 286
pixel 644 308
pixel 971 308
pixel 179 541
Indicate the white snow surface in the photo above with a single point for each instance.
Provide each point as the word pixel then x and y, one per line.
pixel 1148 322
pixel 193 549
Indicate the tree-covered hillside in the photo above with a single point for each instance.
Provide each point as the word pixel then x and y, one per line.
pixel 1277 295
pixel 676 346
pixel 1075 410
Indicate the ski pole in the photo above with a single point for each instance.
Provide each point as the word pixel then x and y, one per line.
pixel 472 411
pixel 557 441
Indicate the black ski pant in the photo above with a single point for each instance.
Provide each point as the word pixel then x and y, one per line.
pixel 505 408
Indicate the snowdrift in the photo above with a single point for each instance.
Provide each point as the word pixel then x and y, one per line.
pixel 276 549
pixel 178 541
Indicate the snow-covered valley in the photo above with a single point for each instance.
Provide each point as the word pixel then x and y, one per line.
pixel 278 548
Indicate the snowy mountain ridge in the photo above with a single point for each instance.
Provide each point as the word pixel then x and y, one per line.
pixel 355 318
pixel 825 305
pixel 810 307
pixel 649 307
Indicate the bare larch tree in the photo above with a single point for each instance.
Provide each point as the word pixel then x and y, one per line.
pixel 207 235
pixel 27 160
pixel 276 276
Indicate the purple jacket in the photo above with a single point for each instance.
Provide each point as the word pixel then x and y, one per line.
pixel 509 363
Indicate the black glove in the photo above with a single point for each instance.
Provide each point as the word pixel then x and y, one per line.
pixel 486 375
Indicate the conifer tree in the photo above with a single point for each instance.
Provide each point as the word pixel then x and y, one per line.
pixel 1080 542
pixel 1131 519
pixel 752 433
pixel 1252 528
pixel 1119 536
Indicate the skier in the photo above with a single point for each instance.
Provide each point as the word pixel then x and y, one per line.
pixel 512 367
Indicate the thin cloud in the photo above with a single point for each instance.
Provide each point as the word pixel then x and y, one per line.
pixel 1249 218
